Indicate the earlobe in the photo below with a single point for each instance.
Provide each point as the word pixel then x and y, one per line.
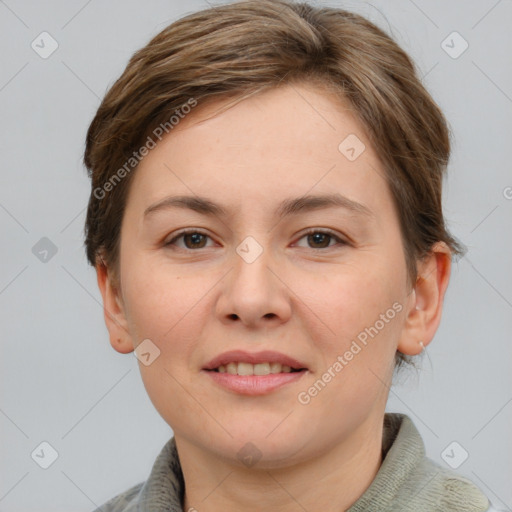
pixel 113 311
pixel 426 303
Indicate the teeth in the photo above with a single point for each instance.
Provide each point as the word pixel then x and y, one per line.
pixel 232 368
pixel 253 369
pixel 245 369
pixel 261 369
pixel 275 367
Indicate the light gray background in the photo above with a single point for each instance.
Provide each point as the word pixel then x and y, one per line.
pixel 61 380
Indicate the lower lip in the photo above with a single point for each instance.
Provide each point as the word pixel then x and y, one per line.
pixel 254 384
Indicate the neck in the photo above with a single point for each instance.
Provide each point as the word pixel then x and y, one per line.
pixel 331 481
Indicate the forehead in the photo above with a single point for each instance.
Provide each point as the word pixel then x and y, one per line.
pixel 288 141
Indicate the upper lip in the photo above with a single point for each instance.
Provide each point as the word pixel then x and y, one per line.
pixel 241 356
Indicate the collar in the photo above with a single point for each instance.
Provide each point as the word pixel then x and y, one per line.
pixel 407 480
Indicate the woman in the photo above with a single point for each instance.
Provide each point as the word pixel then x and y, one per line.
pixel 266 225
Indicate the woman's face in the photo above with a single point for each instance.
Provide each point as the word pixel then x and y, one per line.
pixel 253 279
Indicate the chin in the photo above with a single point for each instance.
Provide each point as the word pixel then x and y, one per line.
pixel 259 454
pixel 259 444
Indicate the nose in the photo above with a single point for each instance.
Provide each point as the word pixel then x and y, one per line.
pixel 255 292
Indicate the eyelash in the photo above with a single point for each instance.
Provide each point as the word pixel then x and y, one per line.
pixel 327 232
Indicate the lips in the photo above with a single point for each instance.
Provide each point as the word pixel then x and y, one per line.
pixel 266 356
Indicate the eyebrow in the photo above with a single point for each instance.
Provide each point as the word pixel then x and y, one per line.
pixel 292 206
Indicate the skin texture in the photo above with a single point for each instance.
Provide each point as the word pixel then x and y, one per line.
pixel 306 297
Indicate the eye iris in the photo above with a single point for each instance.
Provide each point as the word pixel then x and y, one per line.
pixel 195 237
pixel 318 237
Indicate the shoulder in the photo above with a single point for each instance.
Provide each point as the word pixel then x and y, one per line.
pixel 163 487
pixel 457 492
pixel 427 485
pixel 123 502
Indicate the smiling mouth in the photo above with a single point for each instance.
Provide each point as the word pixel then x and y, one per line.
pixel 238 368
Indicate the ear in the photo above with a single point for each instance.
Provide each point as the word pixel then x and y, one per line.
pixel 425 304
pixel 113 311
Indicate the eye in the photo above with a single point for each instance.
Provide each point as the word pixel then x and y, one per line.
pixel 192 238
pixel 321 238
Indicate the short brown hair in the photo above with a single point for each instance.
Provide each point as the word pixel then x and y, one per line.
pixel 243 48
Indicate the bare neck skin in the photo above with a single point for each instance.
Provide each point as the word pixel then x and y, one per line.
pixel 333 481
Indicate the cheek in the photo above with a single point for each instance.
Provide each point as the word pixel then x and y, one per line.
pixel 164 308
pixel 363 311
pixel 355 299
pixel 157 303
